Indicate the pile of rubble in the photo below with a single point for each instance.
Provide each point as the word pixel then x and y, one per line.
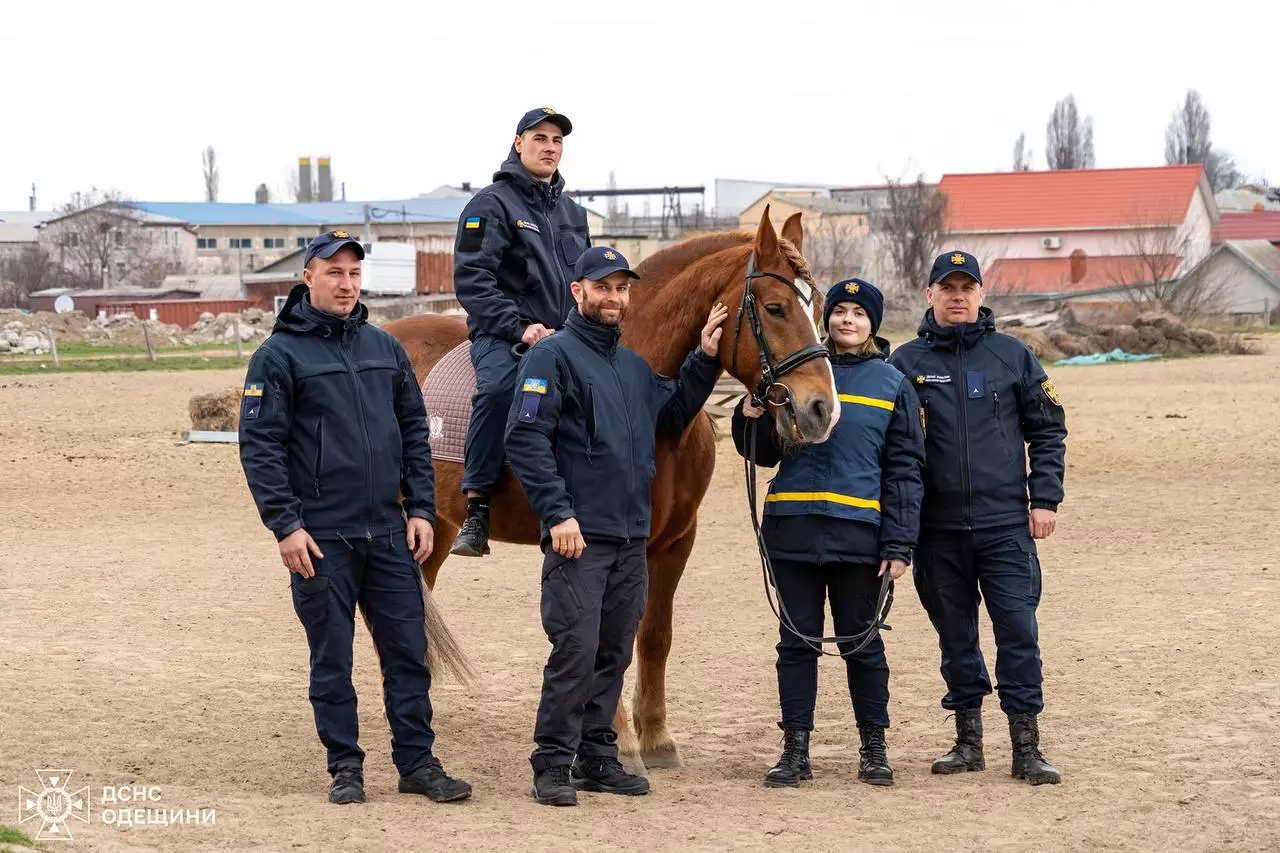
pixel 25 332
pixel 1059 335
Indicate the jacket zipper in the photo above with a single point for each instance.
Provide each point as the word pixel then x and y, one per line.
pixel 364 432
pixel 961 383
pixel 1004 441
pixel 631 462
pixel 562 287
pixel 319 453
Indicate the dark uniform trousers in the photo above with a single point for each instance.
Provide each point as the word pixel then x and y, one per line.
pixel 496 370
pixel 953 570
pixel 804 588
pixel 381 575
pixel 591 608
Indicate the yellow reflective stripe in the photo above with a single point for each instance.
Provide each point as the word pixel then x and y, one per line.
pixel 831 497
pixel 867 401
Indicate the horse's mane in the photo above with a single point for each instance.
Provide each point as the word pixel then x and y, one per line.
pixel 666 263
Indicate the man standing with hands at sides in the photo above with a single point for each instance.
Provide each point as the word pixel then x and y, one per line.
pixel 518 241
pixel 580 438
pixel 987 407
pixel 332 431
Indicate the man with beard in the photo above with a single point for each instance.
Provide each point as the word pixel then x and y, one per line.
pixel 580 437
pixel 518 241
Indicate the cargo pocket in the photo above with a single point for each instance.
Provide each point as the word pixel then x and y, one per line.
pixel 311 602
pixel 1028 550
pixel 561 601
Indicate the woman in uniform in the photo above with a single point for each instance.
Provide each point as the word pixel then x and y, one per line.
pixel 837 517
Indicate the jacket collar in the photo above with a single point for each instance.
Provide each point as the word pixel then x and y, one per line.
pixel 847 359
pixel 601 338
pixel 959 336
pixel 533 190
pixel 300 316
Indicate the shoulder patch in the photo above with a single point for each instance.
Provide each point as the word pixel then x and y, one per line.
pixel 534 386
pixel 251 401
pixel 253 389
pixel 1051 392
pixel 471 235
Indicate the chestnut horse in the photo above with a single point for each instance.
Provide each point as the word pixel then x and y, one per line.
pixel 669 305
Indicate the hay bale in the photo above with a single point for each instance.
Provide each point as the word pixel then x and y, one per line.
pixel 219 411
pixel 1202 340
pixel 1068 343
pixel 1121 337
pixel 1037 341
pixel 1158 319
pixel 1151 339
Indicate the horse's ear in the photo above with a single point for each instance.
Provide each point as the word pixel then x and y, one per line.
pixel 766 237
pixel 793 232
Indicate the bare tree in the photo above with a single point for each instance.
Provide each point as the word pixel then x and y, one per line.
pixel 909 231
pixel 26 272
pixel 836 247
pixel 211 174
pixel 1069 142
pixel 1187 140
pixel 100 240
pixel 1021 156
pixel 288 188
pixel 1162 270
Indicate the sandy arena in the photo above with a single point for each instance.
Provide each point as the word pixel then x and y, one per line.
pixel 147 638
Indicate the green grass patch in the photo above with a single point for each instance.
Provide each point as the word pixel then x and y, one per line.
pixel 122 365
pixel 71 349
pixel 9 835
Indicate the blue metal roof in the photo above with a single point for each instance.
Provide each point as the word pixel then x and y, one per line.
pixel 315 214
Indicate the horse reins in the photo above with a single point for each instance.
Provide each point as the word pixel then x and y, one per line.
pixel 772 392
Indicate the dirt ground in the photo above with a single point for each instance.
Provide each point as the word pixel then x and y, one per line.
pixel 147 638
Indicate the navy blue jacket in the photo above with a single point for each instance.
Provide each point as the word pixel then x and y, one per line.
pixel 333 428
pixel 518 240
pixel 582 427
pixel 831 531
pixel 987 406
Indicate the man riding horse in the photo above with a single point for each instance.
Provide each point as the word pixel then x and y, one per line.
pixel 518 241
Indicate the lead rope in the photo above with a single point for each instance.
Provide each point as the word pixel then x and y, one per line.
pixel 883 603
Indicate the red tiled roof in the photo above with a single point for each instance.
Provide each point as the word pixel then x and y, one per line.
pixel 1256 225
pixel 1070 198
pixel 1053 275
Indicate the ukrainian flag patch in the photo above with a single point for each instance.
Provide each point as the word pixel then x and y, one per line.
pixel 472 222
pixel 535 386
pixel 253 389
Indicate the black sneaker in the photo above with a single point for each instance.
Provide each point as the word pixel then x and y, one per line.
pixel 431 781
pixel 473 538
pixel 551 787
pixel 347 786
pixel 604 774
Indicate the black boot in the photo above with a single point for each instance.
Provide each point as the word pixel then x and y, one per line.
pixel 793 767
pixel 873 760
pixel 966 755
pixel 1028 762
pixel 473 538
pixel 347 786
pixel 553 787
pixel 605 775
pixel 431 781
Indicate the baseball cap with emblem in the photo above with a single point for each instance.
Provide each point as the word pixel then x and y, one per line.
pixel 327 244
pixel 532 117
pixel 599 262
pixel 955 260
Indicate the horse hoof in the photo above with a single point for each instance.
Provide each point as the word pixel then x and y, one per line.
pixel 633 764
pixel 664 756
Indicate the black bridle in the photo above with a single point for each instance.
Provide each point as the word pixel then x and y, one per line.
pixel 769 390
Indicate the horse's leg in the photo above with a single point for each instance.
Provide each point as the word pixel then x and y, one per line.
pixel 653 644
pixel 445 532
pixel 628 746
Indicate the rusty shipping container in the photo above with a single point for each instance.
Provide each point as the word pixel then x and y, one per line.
pixel 179 312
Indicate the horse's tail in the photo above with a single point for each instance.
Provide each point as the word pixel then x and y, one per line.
pixel 444 654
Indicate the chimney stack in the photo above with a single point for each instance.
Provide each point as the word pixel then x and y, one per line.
pixel 32 200
pixel 325 181
pixel 262 195
pixel 304 179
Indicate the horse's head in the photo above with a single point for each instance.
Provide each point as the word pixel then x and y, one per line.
pixel 774 347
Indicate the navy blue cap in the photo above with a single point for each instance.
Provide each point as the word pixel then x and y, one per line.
pixel 858 292
pixel 955 261
pixel 326 244
pixel 599 262
pixel 544 114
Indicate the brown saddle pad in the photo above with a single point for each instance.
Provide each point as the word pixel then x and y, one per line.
pixel 447 392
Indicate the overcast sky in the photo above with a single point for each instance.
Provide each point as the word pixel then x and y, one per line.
pixel 126 94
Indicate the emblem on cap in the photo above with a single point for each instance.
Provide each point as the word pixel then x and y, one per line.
pixel 610 256
pixel 549 111
pixel 341 235
pixel 957 259
pixel 851 287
